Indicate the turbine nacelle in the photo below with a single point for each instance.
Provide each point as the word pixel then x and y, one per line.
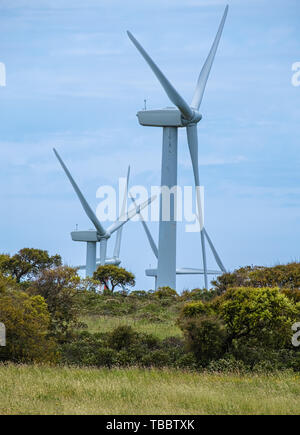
pixel 168 117
pixel 88 236
pixel 85 236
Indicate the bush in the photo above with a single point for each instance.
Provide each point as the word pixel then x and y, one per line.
pixel 165 293
pixel 195 309
pixel 157 358
pixel 263 314
pixel 252 324
pixel 205 337
pixel 282 276
pixel 227 365
pixel 27 322
pixel 122 337
pixel 125 347
pixel 187 361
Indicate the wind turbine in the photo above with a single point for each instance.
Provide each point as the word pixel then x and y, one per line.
pixel 170 119
pixel 115 259
pixel 100 234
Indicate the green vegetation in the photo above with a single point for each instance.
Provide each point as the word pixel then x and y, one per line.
pixel 44 390
pixel 226 350
pixel 111 276
pixel 27 263
pixel 27 323
pixel 161 330
pixel 243 323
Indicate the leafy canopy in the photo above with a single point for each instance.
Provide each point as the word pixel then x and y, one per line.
pixel 59 289
pixel 111 276
pixel 27 263
pixel 27 320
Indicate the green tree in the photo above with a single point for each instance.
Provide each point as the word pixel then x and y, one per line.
pixel 27 322
pixel 28 263
pixel 111 276
pixel 59 289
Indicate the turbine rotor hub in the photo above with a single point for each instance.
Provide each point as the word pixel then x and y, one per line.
pixel 194 120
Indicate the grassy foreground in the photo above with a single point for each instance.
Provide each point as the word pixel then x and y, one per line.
pixel 44 390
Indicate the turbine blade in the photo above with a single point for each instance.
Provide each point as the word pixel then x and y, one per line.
pixel 147 231
pixel 204 74
pixel 174 96
pixel 217 258
pixel 192 138
pixel 91 215
pixel 117 247
pixel 131 213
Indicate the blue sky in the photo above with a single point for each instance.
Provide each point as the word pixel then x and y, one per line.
pixel 75 81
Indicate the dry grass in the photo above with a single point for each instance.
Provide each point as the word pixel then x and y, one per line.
pixel 44 390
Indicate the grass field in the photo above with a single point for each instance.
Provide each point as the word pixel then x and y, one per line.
pixel 44 390
pixel 160 330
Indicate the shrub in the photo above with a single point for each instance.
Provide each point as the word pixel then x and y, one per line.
pixel 263 314
pixel 186 361
pixel 124 347
pixel 282 276
pixel 206 337
pixel 227 365
pixel 157 358
pixel 165 293
pixel 193 309
pixel 27 322
pixel 122 337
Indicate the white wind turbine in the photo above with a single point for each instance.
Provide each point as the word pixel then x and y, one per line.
pixel 170 119
pixel 100 234
pixel 115 259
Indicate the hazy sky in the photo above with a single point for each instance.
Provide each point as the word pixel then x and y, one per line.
pixel 75 81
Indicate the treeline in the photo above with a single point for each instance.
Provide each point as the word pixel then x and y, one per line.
pixel 244 322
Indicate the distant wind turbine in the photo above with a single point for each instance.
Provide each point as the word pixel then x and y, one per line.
pixel 100 234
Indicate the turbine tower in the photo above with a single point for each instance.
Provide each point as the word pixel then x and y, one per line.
pixel 181 270
pixel 100 234
pixel 170 119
